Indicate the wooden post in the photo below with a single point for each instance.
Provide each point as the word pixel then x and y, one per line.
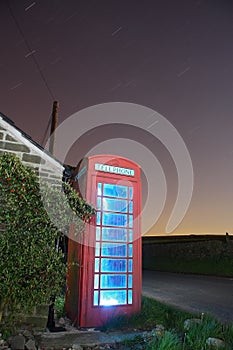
pixel 53 126
pixel 51 321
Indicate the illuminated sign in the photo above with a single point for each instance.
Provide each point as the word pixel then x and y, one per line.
pixel 114 169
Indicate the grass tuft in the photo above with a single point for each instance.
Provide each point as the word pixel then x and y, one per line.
pixel 152 313
pixel 169 341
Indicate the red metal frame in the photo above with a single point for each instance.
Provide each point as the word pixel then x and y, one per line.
pixel 82 311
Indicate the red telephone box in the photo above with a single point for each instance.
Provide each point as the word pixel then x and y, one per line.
pixel 108 282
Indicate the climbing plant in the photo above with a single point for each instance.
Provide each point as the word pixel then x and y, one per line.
pixel 31 267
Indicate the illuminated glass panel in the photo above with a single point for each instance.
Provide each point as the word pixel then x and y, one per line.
pixel 99 203
pixel 97 233
pixel 114 220
pixel 97 249
pixel 112 281
pixel 130 297
pixel 130 207
pixel 109 298
pixel 114 234
pixel 96 282
pixel 115 191
pixel 99 189
pixel 98 216
pixel 96 294
pixel 130 235
pixel 130 192
pixel 130 221
pixel 130 281
pixel 114 249
pixel 130 246
pixel 130 265
pixel 97 264
pixel 118 205
pixel 113 265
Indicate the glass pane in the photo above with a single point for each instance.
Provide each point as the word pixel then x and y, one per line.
pixel 131 207
pixel 99 203
pixel 114 249
pixel 97 264
pixel 130 221
pixel 98 233
pixel 130 281
pixel 115 191
pixel 97 249
pixel 96 294
pixel 98 216
pixel 130 250
pixel 113 265
pixel 109 297
pixel 99 189
pixel 130 235
pixel 96 282
pixel 130 265
pixel 131 193
pixel 114 234
pixel 117 205
pixel 112 281
pixel 114 219
pixel 130 297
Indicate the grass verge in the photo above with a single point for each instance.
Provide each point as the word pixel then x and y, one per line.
pixel 175 336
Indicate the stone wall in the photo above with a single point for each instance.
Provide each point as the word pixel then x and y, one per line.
pixel 14 141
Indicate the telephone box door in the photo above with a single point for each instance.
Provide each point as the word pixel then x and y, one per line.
pixel 112 280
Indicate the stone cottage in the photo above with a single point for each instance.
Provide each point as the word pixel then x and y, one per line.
pixel 16 141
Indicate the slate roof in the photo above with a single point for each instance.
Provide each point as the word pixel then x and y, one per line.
pixel 26 136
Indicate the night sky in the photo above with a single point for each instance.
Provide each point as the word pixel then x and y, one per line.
pixel 173 56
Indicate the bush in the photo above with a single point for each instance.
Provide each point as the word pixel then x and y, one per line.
pixel 59 306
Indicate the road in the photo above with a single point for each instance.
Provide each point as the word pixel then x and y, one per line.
pixel 193 293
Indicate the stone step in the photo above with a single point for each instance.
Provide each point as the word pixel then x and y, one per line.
pixel 83 338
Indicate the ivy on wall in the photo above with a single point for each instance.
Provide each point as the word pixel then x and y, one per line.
pixel 31 267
